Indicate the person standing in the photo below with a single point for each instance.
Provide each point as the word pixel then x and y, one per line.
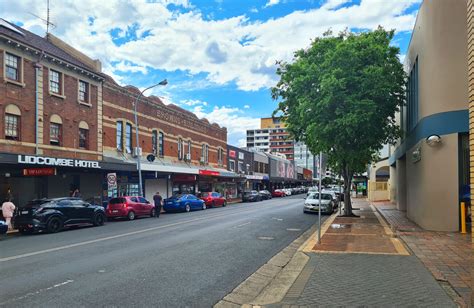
pixel 158 200
pixel 7 211
pixel 76 193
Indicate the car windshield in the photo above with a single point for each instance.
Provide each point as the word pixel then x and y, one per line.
pixel 36 203
pixel 205 194
pixel 323 196
pixel 117 200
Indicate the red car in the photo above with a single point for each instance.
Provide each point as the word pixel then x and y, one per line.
pixel 278 193
pixel 129 207
pixel 213 199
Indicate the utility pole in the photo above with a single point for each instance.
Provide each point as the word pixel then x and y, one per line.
pixel 319 207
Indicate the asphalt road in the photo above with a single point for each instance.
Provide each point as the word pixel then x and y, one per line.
pixel 178 260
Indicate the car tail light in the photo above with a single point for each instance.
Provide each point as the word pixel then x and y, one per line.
pixel 125 205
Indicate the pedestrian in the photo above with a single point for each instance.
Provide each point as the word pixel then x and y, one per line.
pixel 76 193
pixel 7 211
pixel 157 199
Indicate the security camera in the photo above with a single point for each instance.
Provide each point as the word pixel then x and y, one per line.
pixel 433 140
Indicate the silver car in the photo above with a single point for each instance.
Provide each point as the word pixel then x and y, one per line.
pixel 311 203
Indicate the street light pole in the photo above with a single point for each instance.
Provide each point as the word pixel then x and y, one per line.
pixel 138 152
pixel 319 208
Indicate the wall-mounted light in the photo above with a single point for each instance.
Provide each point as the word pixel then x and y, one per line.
pixel 433 140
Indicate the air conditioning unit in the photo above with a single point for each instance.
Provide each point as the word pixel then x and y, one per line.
pixel 137 151
pixel 187 157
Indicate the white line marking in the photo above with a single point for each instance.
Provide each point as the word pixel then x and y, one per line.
pixel 117 236
pixel 243 224
pixel 279 219
pixel 37 292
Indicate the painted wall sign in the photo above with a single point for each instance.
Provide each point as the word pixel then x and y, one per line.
pixel 39 171
pixel 232 153
pixel 112 180
pixel 59 162
pixel 183 178
pixel 209 172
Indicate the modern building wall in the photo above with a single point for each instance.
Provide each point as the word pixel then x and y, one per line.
pixel 470 40
pixel 428 176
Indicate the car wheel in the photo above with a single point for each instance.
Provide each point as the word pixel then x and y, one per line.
pixel 187 208
pixel 54 225
pixel 131 215
pixel 153 212
pixel 99 219
pixel 224 204
pixel 204 206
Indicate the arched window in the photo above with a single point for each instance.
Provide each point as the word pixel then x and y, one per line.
pixel 161 144
pixel 189 151
pixel 154 142
pixel 55 130
pixel 12 123
pixel 83 135
pixel 128 138
pixel 119 134
pixel 180 148
pixel 205 154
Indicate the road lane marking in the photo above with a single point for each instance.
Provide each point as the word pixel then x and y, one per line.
pixel 37 292
pixel 244 224
pixel 279 219
pixel 266 238
pixel 293 229
pixel 120 235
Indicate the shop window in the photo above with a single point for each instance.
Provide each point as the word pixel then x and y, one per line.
pixel 55 82
pixel 12 127
pixel 12 67
pixel 55 134
pixel 154 142
pixel 231 165
pixel 128 138
pixel 180 148
pixel 83 91
pixel 161 140
pixel 119 136
pixel 83 138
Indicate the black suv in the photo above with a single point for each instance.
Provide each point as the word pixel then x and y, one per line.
pixel 53 215
pixel 251 196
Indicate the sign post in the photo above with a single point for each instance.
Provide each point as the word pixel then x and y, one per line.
pixel 319 207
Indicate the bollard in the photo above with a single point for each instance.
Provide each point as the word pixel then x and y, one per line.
pixel 463 218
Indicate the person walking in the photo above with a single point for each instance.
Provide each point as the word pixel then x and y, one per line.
pixel 7 211
pixel 158 200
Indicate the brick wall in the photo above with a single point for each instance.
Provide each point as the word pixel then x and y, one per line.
pixel 173 121
pixel 470 38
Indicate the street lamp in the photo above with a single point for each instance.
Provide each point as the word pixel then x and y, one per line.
pixel 137 151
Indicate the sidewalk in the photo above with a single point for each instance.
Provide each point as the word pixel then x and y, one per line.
pixel 359 263
pixel 447 255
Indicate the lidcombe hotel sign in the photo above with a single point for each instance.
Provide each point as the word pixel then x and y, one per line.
pixel 57 162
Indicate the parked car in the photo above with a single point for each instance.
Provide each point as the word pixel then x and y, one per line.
pixel 265 194
pixel 213 199
pixel 287 191
pixel 3 227
pixel 332 193
pixel 52 215
pixel 311 203
pixel 251 196
pixel 278 193
pixel 129 207
pixel 183 203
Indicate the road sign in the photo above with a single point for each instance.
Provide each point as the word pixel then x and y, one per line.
pixel 111 180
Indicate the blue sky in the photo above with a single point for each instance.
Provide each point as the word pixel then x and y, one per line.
pixel 218 55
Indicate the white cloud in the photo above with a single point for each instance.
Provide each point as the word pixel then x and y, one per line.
pixel 246 106
pixel 234 119
pixel 192 102
pixel 272 2
pixel 226 50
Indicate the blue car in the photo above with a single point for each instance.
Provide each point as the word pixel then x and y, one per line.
pixel 183 203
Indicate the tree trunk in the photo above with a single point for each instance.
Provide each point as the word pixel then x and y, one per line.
pixel 347 175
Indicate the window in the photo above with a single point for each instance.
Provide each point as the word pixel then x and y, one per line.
pixel 231 165
pixel 128 138
pixel 161 140
pixel 12 66
pixel 83 91
pixel 205 153
pixel 189 150
pixel 54 82
pixel 83 138
pixel 119 138
pixel 154 142
pixel 180 148
pixel 412 99
pixel 241 166
pixel 12 127
pixel 220 155
pixel 55 134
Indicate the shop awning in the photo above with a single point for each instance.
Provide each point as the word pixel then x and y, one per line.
pixel 170 168
pixel 218 172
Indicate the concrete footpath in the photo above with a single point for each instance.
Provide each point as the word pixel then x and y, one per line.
pixel 359 262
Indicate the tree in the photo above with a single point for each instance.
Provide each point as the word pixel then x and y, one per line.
pixel 340 97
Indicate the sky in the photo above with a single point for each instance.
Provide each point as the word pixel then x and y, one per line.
pixel 219 56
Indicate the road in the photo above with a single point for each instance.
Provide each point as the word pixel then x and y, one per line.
pixel 179 260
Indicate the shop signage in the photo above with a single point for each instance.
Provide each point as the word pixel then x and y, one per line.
pixel 39 171
pixel 184 178
pixel 209 172
pixel 60 162
pixel 111 180
pixel 232 153
pixel 254 177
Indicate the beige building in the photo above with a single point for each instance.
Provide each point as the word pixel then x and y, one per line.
pixel 430 164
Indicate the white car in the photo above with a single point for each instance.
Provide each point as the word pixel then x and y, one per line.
pixel 331 192
pixel 311 204
pixel 287 191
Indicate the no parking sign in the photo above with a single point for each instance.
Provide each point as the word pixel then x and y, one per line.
pixel 112 180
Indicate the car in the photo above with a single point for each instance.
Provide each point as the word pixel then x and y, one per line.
pixel 183 203
pixel 332 193
pixel 129 207
pixel 278 193
pixel 265 194
pixel 3 227
pixel 53 215
pixel 251 196
pixel 311 203
pixel 213 199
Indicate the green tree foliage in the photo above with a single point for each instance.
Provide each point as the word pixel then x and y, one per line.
pixel 340 97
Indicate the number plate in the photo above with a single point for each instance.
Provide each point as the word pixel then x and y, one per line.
pixel 24 212
pixel 114 211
